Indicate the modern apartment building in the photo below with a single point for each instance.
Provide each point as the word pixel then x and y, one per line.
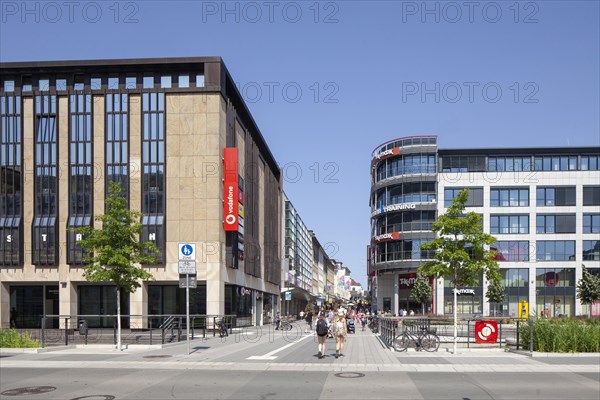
pixel 177 136
pixel 542 205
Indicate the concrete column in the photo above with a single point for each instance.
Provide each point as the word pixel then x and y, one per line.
pixel 138 305
pixel 485 303
pixel 4 305
pixel 67 294
pixel 439 290
pixel 533 293
pixel 395 305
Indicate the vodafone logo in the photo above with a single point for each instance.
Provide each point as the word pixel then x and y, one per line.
pixel 486 331
pixel 230 219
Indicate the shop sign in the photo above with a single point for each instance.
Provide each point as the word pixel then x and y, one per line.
pixel 394 207
pixel 386 154
pixel 407 280
pixel 230 189
pixel 461 292
pixel 486 332
pixel 387 236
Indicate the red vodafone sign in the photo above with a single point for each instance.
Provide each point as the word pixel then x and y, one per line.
pixel 230 189
pixel 486 332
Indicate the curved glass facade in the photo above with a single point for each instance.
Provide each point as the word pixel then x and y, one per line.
pixel 403 209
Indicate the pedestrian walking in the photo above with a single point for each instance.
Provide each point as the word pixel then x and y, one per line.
pixel 309 320
pixel 339 332
pixel 322 331
pixel 13 317
pixel 277 320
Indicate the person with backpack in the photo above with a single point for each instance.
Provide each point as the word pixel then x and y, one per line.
pixel 322 331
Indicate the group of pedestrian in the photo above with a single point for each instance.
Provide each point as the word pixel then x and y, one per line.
pixel 335 327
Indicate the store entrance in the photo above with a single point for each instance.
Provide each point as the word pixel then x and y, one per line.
pixel 28 304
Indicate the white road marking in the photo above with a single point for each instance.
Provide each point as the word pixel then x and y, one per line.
pixel 271 355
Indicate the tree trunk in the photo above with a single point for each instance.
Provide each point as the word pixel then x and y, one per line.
pixel 423 308
pixel 455 318
pixel 118 319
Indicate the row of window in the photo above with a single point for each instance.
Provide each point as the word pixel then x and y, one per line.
pixel 545 223
pixel 520 163
pixel 406 165
pixel 412 141
pixel 510 250
pixel 546 196
pixel 164 81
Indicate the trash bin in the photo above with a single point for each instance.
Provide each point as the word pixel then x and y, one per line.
pixel 83 327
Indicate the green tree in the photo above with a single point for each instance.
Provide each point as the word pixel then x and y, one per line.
pixel 422 290
pixel 116 250
pixel 461 249
pixel 495 292
pixel 588 288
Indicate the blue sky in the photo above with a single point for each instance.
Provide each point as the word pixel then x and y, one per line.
pixel 328 81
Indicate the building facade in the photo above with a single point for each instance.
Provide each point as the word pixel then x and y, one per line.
pixel 541 204
pixel 165 130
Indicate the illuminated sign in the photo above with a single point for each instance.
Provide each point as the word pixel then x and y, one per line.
pixel 230 190
pixel 387 236
pixel 386 154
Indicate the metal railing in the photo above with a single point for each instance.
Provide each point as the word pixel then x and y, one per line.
pixel 508 330
pixel 57 330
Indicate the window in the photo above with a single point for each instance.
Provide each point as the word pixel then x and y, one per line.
pixel 199 80
pixel 9 86
pixel 184 81
pixel 555 250
pixel 81 183
pixel 555 277
pixel 148 82
pixel 463 164
pixel 515 277
pixel 555 163
pixel 561 223
pixel 504 224
pixel 113 83
pixel 130 82
pixel 45 245
pixel 509 197
pixel 96 83
pixel 11 177
pixel 509 164
pixel 153 170
pixel 511 250
pixel 591 223
pixel 591 250
pixel 555 196
pixel 61 84
pixel 165 82
pixel 591 195
pixel 117 134
pixel 590 163
pixel 475 196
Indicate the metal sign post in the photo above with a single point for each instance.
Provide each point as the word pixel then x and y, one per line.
pixel 187 311
pixel 187 266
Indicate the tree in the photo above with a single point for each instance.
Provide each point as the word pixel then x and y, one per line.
pixel 461 248
pixel 422 290
pixel 116 250
pixel 495 292
pixel 588 288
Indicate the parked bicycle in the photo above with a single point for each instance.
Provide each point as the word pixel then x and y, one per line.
pixel 222 326
pixel 286 325
pixel 426 340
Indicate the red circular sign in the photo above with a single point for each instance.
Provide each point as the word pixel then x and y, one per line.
pixel 486 332
pixel 551 278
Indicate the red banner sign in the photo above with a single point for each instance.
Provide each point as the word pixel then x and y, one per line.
pixel 486 332
pixel 230 189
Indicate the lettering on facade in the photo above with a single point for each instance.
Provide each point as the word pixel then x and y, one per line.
pixel 9 239
pixel 152 236
pixel 459 292
pixel 395 207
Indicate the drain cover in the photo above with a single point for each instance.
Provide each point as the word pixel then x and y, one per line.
pixel 95 397
pixel 158 356
pixel 26 391
pixel 350 375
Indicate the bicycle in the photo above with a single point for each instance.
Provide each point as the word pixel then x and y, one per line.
pixel 285 325
pixel 222 326
pixel 425 340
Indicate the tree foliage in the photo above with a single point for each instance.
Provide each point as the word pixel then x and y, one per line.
pixel 588 287
pixel 461 247
pixel 495 291
pixel 115 248
pixel 422 290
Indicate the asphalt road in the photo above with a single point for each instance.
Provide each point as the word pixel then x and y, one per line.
pixel 272 366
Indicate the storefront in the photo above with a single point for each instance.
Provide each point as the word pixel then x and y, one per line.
pixel 555 292
pixel 469 300
pixel 29 303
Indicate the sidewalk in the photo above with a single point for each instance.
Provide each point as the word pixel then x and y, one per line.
pixel 364 352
